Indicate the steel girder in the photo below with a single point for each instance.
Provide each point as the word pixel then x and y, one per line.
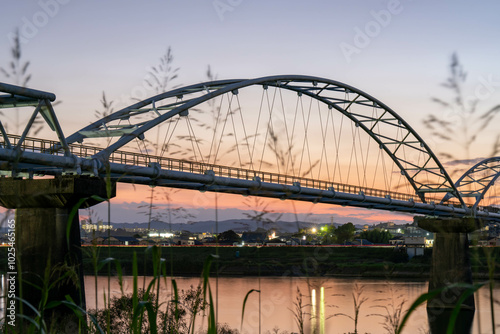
pixel 477 180
pixel 255 187
pixel 336 95
pixel 26 97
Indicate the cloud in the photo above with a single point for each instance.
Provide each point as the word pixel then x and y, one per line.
pixel 468 162
pixel 128 212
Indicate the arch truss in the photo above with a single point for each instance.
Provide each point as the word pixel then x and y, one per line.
pixel 17 97
pixel 389 132
pixel 476 181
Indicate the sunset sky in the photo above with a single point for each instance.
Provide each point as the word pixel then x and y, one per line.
pixel 397 51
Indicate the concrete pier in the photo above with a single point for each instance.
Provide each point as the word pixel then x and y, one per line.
pixel 450 265
pixel 48 243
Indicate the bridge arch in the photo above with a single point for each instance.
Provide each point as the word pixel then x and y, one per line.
pixel 426 175
pixel 477 180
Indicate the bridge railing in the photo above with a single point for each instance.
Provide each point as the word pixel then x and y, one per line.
pixel 143 159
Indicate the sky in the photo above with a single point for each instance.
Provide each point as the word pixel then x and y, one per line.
pixel 397 51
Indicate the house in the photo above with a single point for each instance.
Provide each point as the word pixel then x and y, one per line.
pixel 209 241
pixel 295 242
pixel 97 241
pixel 493 242
pixel 120 241
pixel 146 242
pixel 399 240
pixel 361 242
pixel 414 246
pixel 254 238
pixel 183 241
pixel 276 242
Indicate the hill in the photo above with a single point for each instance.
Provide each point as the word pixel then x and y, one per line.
pixel 237 225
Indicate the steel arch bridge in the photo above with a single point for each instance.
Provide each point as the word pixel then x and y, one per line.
pixel 476 181
pixel 376 133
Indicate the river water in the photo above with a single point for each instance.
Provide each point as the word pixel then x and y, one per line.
pixel 328 303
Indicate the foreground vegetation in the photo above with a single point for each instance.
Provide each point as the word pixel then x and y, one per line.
pixel 141 311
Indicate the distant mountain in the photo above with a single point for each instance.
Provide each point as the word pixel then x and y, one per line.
pixel 237 225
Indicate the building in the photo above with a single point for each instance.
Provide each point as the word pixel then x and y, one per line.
pixel 99 227
pixel 184 241
pixel 397 240
pixel 254 238
pixel 276 242
pixel 493 241
pixel 116 241
pixel 414 246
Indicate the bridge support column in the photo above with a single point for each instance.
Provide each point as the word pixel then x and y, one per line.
pixel 450 265
pixel 48 244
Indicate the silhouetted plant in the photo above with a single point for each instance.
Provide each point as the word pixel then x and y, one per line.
pixel 345 233
pixel 161 75
pixel 377 236
pixel 17 69
pixel 472 124
pixel 468 290
pixel 276 330
pixel 121 311
pixel 327 234
pixel 358 300
pixel 18 72
pixel 464 107
pixel 298 310
pixel 107 107
pixel 260 212
pixel 226 329
pixel 393 307
pixel 94 251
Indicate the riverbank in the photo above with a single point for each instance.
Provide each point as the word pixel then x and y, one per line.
pixel 333 261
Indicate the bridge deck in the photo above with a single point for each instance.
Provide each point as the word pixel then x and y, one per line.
pixel 38 145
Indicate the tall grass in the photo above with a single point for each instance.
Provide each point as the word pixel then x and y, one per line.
pixel 358 300
pixel 144 311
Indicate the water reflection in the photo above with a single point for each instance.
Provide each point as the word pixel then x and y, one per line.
pixel 325 298
pixel 322 300
pixel 322 310
pixel 318 311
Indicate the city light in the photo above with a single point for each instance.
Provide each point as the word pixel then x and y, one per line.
pixel 161 235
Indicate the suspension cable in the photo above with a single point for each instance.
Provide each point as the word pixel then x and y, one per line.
pixel 257 125
pixel 235 133
pixel 323 151
pixel 245 132
pixel 215 127
pixel 223 128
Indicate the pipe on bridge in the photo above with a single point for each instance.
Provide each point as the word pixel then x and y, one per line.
pixel 210 182
pixel 27 92
pixel 448 243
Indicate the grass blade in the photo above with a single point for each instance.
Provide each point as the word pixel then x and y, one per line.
pixel 244 304
pixel 470 290
pixel 419 301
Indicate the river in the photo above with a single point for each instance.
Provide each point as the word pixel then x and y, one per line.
pixel 328 302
